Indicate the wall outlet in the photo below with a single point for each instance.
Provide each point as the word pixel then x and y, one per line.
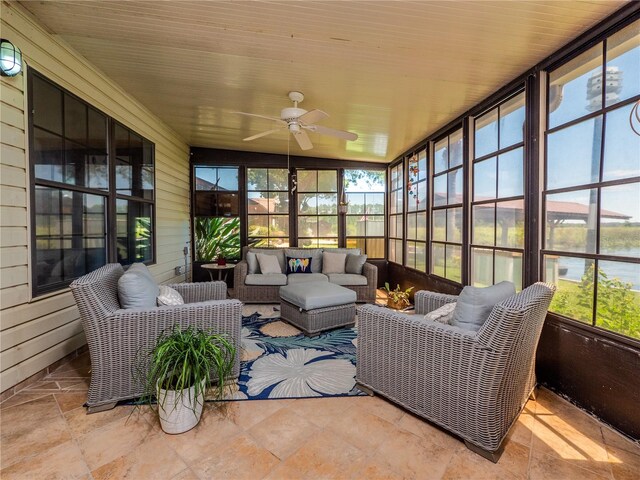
pixel 179 270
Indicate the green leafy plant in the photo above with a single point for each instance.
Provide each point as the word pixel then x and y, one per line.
pixel 215 237
pixel 181 359
pixel 397 297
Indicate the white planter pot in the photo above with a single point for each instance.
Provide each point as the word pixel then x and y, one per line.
pixel 182 416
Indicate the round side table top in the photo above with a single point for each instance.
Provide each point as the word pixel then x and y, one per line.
pixel 215 266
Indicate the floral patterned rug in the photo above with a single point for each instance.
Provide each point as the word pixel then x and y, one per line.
pixel 278 361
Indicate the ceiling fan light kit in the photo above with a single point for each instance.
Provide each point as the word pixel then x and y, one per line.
pixel 297 121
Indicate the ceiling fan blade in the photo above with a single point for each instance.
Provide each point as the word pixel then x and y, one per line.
pixel 303 140
pixel 263 134
pixel 312 116
pixel 332 132
pixel 273 119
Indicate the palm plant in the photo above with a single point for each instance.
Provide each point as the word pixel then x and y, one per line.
pixel 216 236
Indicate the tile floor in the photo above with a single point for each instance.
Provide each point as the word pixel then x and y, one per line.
pixel 46 434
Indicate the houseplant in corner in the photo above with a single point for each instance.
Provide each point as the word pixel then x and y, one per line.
pixel 181 366
pixel 397 298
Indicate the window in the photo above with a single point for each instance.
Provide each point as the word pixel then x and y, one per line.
pixel 497 204
pixel 592 215
pixel 268 207
pixel 217 216
pixel 447 201
pixel 77 189
pixel 364 193
pixel 317 205
pixel 416 254
pixel 396 209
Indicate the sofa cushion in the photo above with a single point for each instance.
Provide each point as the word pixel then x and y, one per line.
pixel 276 252
pixel 137 290
pixel 352 251
pixel 252 263
pixel 268 263
pixel 169 296
pixel 299 265
pixel 315 253
pixel 266 279
pixel 355 263
pixel 142 268
pixel 306 277
pixel 333 262
pixel 475 304
pixel 444 314
pixel 347 279
pixel 309 296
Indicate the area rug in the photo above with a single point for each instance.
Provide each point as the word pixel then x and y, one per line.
pixel 278 361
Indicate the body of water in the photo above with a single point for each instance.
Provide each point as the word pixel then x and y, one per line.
pixel 626 272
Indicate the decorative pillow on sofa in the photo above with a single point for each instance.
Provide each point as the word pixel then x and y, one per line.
pixel 355 263
pixel 169 296
pixel 475 304
pixel 333 262
pixel 268 263
pixel 442 314
pixel 314 253
pixel 253 266
pixel 299 265
pixel 252 263
pixel 137 290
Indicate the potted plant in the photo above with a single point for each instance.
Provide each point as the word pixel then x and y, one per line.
pixel 397 298
pixel 180 367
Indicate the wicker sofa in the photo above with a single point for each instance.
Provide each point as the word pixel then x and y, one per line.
pixel 115 335
pixel 265 293
pixel 473 384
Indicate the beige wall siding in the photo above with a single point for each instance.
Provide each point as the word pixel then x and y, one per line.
pixel 35 332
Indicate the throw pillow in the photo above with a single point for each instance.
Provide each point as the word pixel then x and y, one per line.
pixel 137 290
pixel 314 253
pixel 333 262
pixel 299 265
pixel 475 304
pixel 252 263
pixel 268 263
pixel 442 314
pixel 355 263
pixel 169 296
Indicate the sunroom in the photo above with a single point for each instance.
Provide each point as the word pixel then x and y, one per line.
pixel 464 144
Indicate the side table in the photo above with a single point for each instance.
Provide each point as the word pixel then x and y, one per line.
pixel 221 269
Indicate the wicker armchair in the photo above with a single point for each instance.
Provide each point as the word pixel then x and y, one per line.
pixel 115 335
pixel 473 384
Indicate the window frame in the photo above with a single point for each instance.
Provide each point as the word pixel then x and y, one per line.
pixel 317 215
pixel 393 216
pixel 109 194
pixel 268 214
pixel 421 209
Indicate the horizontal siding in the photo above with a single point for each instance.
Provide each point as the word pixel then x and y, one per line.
pixel 35 332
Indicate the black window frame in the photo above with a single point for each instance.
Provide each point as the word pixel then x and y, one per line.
pixel 108 194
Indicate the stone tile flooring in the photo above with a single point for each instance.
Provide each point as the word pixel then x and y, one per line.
pixel 46 434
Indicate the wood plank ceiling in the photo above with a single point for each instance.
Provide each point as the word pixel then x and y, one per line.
pixel 393 72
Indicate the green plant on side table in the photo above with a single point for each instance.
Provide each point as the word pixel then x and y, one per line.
pixel 180 367
pixel 397 298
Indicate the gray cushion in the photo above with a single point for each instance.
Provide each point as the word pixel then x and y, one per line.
pixel 169 296
pixel 355 263
pixel 347 279
pixel 314 253
pixel 252 263
pixel 333 262
pixel 137 290
pixel 268 263
pixel 142 268
pixel 266 279
pixel 475 304
pixel 348 251
pixel 309 296
pixel 306 277
pixel 277 252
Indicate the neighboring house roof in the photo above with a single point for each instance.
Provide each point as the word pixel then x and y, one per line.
pixel 258 205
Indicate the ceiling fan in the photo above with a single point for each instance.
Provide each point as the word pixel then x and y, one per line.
pixel 297 121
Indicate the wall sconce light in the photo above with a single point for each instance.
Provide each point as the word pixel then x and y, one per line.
pixel 10 59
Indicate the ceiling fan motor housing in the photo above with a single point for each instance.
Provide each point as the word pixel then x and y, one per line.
pixel 291 113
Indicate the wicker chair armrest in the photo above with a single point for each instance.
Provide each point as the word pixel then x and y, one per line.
pixel 427 301
pixel 370 271
pixel 177 312
pixel 240 273
pixel 201 291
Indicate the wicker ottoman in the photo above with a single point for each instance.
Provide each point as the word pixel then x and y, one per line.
pixel 314 307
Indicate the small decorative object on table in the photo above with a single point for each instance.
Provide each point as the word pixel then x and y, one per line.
pixel 221 260
pixel 397 299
